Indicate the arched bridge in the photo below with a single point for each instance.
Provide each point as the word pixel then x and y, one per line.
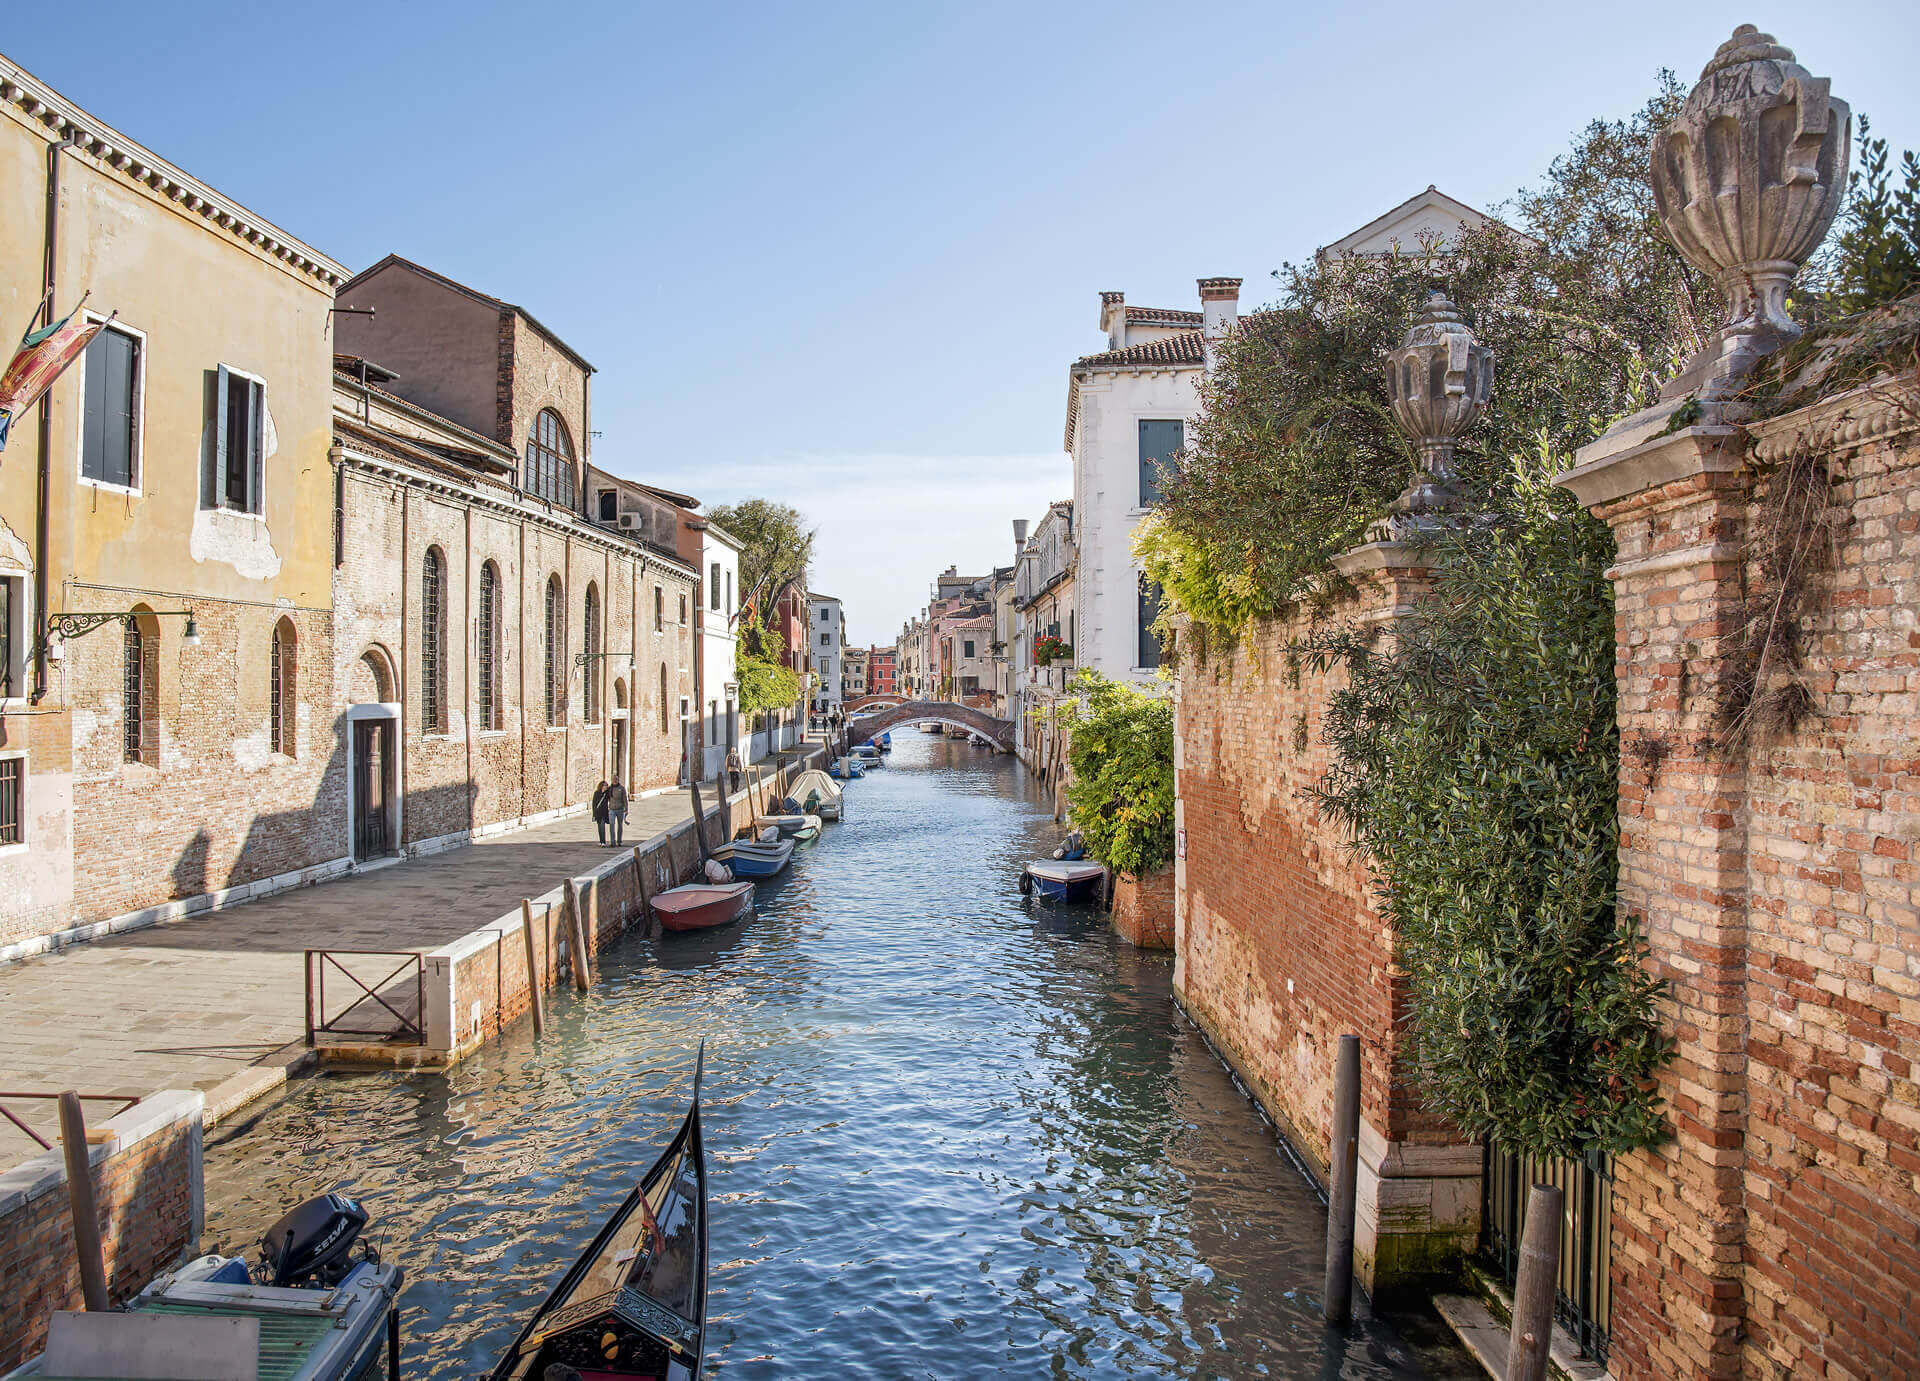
pixel 863 728
pixel 859 706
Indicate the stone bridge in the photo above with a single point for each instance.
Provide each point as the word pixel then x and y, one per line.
pixel 859 706
pixel 863 728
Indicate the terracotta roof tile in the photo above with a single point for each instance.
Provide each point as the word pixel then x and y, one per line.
pixel 1183 349
pixel 1162 316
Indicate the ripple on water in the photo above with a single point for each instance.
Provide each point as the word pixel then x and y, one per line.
pixel 948 1133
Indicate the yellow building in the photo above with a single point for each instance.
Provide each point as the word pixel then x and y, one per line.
pixel 177 478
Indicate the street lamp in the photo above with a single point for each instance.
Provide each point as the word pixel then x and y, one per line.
pixel 581 659
pixel 64 628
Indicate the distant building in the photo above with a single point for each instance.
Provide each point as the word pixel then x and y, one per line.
pixel 826 641
pixel 1427 218
pixel 1045 626
pixel 912 656
pixel 883 672
pixel 853 673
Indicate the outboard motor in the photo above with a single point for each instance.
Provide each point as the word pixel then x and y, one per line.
pixel 311 1245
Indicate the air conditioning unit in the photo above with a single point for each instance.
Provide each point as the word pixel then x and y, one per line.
pixel 633 522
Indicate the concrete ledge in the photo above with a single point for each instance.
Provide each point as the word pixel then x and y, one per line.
pixel 47 1171
pixel 1485 1330
pixel 1634 459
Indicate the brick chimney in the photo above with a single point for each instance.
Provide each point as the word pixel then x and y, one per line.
pixel 1219 310
pixel 1113 319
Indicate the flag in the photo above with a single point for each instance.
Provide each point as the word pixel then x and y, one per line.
pixel 43 356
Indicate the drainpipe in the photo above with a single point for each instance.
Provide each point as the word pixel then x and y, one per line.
pixel 43 480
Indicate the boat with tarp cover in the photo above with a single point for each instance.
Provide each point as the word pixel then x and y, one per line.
pixel 635 1303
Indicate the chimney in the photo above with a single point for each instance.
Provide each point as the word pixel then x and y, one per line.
pixel 1113 319
pixel 1219 310
pixel 1019 537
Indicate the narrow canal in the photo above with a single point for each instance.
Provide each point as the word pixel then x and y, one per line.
pixel 949 1133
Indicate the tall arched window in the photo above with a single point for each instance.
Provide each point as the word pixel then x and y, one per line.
pixel 556 650
pixel 487 640
pixel 663 697
pixel 282 688
pixel 433 643
pixel 135 690
pixel 549 468
pixel 590 644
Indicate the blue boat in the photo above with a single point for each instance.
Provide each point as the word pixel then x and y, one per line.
pixel 886 741
pixel 751 860
pixel 846 770
pixel 1063 880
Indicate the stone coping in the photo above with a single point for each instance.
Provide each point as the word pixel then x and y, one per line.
pixel 46 1172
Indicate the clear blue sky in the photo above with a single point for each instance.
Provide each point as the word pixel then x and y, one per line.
pixel 842 254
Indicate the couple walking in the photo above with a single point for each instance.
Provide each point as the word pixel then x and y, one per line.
pixel 610 811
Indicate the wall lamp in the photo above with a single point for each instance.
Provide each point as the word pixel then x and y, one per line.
pixel 64 628
pixel 581 659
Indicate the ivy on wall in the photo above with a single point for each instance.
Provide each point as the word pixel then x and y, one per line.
pixel 1121 790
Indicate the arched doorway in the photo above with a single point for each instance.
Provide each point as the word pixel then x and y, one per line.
pixel 373 745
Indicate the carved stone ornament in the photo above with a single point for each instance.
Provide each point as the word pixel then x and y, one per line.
pixel 1438 381
pixel 1747 181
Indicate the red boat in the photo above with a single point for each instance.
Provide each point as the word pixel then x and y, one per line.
pixel 699 905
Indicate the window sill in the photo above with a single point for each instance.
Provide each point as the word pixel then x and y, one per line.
pixel 10 850
pixel 107 486
pixel 237 513
pixel 493 733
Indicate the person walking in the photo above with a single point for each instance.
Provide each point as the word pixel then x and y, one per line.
pixel 600 810
pixel 733 767
pixel 616 811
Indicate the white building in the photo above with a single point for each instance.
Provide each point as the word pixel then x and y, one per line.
pixel 1128 408
pixel 826 641
pixel 1428 218
pixel 717 630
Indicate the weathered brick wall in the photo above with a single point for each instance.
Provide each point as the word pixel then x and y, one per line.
pixel 1778 1234
pixel 1143 909
pixel 147 1190
pixel 217 808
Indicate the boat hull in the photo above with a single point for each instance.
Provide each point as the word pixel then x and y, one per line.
pixel 1057 881
pixel 755 860
pixel 701 906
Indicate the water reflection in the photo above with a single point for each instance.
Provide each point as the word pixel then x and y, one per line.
pixel 950 1133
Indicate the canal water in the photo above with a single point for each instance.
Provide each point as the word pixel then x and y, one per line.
pixel 950 1133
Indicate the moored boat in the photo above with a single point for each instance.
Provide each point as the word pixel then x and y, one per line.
pixel 846 770
pixel 311 1310
pixel 817 794
pixel 700 905
pixel 1063 880
pixel 635 1303
pixel 885 741
pixel 750 859
pixel 791 826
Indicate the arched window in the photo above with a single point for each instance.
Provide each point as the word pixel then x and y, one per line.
pixel 140 688
pixel 590 644
pixel 556 650
pixel 487 641
pixel 433 643
pixel 663 698
pixel 549 468
pixel 282 689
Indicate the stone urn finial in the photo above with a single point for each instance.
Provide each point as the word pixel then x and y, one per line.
pixel 1438 381
pixel 1747 180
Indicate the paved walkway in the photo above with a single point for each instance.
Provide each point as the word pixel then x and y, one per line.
pixel 195 1003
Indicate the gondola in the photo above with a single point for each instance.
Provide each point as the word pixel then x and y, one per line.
pixel 635 1303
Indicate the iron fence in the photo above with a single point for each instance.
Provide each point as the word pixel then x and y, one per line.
pixel 404 1030
pixel 1583 1299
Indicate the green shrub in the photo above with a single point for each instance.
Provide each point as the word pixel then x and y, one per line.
pixel 1121 756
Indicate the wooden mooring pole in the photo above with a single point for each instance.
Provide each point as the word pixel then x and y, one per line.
pixel 577 932
pixel 1343 1156
pixel 1533 1287
pixel 534 985
pixel 86 1213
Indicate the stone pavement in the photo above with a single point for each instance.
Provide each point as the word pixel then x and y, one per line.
pixel 217 1002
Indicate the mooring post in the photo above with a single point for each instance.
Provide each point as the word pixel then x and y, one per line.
pixel 533 968
pixel 640 885
pixel 1533 1287
pixel 1343 1156
pixel 577 936
pixel 699 823
pixel 86 1213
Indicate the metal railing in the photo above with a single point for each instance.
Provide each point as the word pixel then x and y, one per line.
pixel 404 1031
pixel 124 1100
pixel 1583 1297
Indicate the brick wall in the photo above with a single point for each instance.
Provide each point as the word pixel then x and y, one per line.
pixel 147 1188
pixel 1280 949
pixel 1778 1234
pixel 1143 909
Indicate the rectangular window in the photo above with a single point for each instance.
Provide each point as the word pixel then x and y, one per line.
pixel 825 639
pixel 713 587
pixel 729 607
pixel 683 609
pixel 609 506
pixel 110 421
pixel 233 478
pixel 659 608
pixel 13 800
pixel 968 646
pixel 1160 442
pixel 1149 615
